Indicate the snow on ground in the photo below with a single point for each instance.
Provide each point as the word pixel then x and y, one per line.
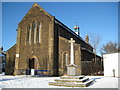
pixel 104 82
pixel 42 82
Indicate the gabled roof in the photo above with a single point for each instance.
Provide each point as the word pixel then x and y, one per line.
pixel 35 5
pixel 12 47
pixel 56 21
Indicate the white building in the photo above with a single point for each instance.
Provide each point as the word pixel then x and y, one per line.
pixel 111 67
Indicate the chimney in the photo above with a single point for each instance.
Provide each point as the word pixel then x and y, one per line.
pixel 87 39
pixel 76 29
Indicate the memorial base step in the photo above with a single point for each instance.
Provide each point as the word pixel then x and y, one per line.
pixel 72 81
pixel 71 77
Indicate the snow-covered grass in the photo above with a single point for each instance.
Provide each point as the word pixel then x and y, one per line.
pixel 42 82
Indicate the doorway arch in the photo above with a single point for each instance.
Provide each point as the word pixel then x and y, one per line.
pixel 33 63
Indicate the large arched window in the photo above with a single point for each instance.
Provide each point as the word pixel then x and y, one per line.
pixel 28 38
pixel 39 32
pixel 30 28
pixel 34 25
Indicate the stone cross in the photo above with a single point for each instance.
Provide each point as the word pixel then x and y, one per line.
pixel 72 51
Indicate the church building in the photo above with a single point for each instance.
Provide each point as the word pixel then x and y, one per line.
pixel 43 44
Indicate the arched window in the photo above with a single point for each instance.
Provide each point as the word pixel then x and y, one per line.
pixel 64 63
pixel 34 25
pixel 35 30
pixel 30 28
pixel 27 38
pixel 65 60
pixel 28 33
pixel 39 32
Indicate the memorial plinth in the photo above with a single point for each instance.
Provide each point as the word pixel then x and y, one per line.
pixel 71 70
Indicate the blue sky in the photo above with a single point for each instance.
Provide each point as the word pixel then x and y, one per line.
pixel 100 18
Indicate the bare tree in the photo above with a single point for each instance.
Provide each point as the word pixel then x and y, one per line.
pixel 95 41
pixel 110 47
